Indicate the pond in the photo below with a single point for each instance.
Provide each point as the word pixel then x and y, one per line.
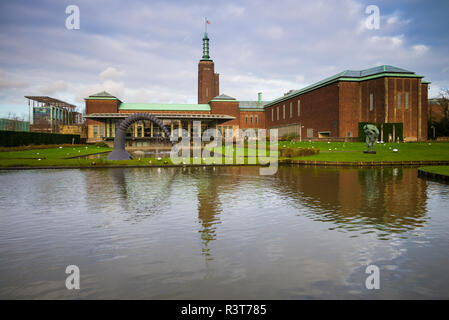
pixel 223 233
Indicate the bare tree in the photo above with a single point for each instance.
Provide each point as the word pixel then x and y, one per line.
pixel 14 122
pixel 444 103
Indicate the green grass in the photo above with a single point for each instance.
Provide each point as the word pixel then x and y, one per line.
pixel 444 170
pixel 353 151
pixel 339 151
pixel 52 153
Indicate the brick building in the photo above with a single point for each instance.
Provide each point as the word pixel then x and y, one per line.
pixel 333 107
pixel 329 109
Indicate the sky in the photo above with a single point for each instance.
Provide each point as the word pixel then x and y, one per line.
pixel 148 51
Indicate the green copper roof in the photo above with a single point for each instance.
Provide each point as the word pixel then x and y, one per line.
pixel 223 97
pixel 164 107
pixel 101 96
pixel 205 47
pixel 351 75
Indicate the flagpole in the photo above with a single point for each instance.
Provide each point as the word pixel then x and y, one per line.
pixel 205 24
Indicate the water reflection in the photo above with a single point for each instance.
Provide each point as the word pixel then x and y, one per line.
pixel 223 232
pixel 209 207
pixel 387 201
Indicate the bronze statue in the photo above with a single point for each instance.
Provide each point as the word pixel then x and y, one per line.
pixel 371 133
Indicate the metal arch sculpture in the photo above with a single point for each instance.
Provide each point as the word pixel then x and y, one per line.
pixel 119 152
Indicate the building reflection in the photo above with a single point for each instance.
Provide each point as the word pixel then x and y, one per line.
pixel 209 207
pixel 391 200
pixel 146 195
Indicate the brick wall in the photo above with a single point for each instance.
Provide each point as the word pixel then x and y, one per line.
pixel 230 108
pixel 207 81
pixel 318 111
pixel 102 106
pixel 247 115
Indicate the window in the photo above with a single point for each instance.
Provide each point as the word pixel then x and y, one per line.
pixel 101 131
pixel 309 133
pixel 246 119
pixel 256 119
pixel 95 131
pixel 406 100
pixel 291 110
pixel 283 111
pixel 299 108
pixel 277 113
pixel 349 134
pixel 399 101
pixel 251 119
pixel 371 102
pixel 272 114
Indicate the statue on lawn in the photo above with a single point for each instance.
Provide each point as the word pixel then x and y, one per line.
pixel 371 133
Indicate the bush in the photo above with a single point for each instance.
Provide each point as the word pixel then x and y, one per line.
pixel 297 152
pixel 102 145
pixel 21 138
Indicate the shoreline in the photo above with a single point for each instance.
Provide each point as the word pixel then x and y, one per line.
pixel 440 177
pixel 361 164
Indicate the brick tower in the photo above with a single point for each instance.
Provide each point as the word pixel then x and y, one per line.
pixel 208 80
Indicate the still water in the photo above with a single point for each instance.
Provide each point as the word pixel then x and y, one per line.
pixel 223 233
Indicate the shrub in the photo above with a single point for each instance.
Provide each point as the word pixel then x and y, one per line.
pixel 297 152
pixel 102 145
pixel 22 138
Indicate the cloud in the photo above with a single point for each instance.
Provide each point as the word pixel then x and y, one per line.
pixel 55 87
pixel 151 53
pixel 111 73
pixel 7 82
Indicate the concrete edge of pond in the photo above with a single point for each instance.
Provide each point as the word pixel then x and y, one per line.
pixel 433 176
pixel 281 162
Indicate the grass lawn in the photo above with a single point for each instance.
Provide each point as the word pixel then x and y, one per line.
pixel 353 151
pixel 334 151
pixel 444 170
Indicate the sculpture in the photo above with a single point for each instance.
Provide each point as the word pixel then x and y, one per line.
pixel 119 152
pixel 371 133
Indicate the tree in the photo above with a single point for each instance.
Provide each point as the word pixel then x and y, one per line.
pixel 441 128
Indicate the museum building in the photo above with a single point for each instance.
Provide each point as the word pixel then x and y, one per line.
pixel 329 109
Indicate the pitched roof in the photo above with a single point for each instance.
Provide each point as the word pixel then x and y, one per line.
pixel 103 95
pixel 350 75
pixel 252 104
pixel 222 97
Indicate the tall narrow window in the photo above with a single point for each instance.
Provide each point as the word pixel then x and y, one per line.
pixel 406 100
pixel 251 119
pixel 277 113
pixel 256 119
pixel 299 108
pixel 272 114
pixel 283 111
pixel 371 102
pixel 399 100
pixel 246 119
pixel 291 110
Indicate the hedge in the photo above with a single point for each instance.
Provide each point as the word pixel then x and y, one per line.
pixel 19 138
pixel 387 129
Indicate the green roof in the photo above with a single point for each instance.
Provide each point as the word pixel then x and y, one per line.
pixel 101 96
pixel 164 107
pixel 351 75
pixel 223 97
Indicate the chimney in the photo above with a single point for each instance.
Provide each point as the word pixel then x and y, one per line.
pixel 259 99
